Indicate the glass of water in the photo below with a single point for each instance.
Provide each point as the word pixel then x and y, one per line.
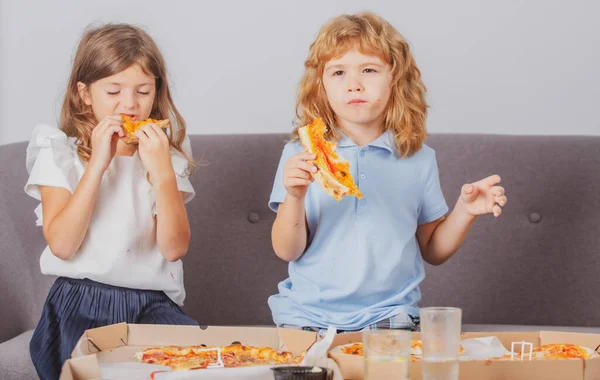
pixel 440 333
pixel 387 354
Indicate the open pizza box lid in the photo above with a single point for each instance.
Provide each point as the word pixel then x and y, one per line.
pixel 352 366
pixel 109 345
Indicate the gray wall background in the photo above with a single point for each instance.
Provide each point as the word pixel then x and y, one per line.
pixel 510 67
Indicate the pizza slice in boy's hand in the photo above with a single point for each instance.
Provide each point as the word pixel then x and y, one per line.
pixel 130 126
pixel 333 171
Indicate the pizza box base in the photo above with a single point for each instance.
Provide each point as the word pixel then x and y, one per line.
pixel 352 367
pixel 118 343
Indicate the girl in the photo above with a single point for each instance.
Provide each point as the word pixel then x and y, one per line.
pixel 112 213
pixel 357 264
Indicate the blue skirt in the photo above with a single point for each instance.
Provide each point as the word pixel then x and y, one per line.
pixel 74 306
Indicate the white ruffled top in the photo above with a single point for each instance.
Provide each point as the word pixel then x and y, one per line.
pixel 120 247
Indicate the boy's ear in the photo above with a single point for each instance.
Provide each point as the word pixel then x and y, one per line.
pixel 84 93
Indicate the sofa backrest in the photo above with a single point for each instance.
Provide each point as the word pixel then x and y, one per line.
pixel 536 264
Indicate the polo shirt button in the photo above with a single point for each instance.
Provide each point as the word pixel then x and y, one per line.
pixel 362 153
pixel 362 176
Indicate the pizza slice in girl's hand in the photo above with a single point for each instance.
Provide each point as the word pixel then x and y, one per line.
pixel 333 171
pixel 130 126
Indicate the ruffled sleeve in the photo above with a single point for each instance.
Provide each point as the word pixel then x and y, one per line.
pixel 51 158
pixel 181 167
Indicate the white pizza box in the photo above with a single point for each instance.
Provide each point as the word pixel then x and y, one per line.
pixel 352 366
pixel 109 347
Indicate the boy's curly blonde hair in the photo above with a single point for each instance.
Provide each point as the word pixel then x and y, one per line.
pixel 406 110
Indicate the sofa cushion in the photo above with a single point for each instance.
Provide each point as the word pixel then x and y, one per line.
pixel 14 358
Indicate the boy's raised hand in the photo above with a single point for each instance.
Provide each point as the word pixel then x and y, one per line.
pixel 483 197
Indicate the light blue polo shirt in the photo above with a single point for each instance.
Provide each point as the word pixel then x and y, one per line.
pixel 363 263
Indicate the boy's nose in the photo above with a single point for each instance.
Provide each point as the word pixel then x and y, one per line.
pixel 354 85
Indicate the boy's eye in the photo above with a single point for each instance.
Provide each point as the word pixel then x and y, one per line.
pixel 339 72
pixel 369 71
pixel 113 92
pixel 144 92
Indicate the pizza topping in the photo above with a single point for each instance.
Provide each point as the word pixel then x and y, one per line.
pixel 563 351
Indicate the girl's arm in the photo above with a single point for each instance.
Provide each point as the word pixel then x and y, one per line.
pixel 440 239
pixel 172 225
pixel 66 217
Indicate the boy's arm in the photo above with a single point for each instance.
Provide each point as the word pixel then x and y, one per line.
pixel 440 239
pixel 290 229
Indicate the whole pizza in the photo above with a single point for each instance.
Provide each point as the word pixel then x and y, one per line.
pixel 201 357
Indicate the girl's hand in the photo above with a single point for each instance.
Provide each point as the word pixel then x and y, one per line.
pixel 297 174
pixel 155 152
pixel 105 137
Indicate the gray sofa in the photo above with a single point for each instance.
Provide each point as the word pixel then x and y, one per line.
pixel 537 265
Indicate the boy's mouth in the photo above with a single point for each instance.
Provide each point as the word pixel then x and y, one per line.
pixel 357 101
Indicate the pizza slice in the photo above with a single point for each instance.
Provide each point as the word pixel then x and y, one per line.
pixel 564 351
pixel 186 363
pixel 353 349
pixel 333 171
pixel 130 126
pixel 416 349
pixel 552 352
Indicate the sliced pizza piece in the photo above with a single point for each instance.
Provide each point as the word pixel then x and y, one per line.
pixel 416 349
pixel 552 352
pixel 155 354
pixel 187 363
pixel 353 349
pixel 333 171
pixel 563 351
pixel 130 126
